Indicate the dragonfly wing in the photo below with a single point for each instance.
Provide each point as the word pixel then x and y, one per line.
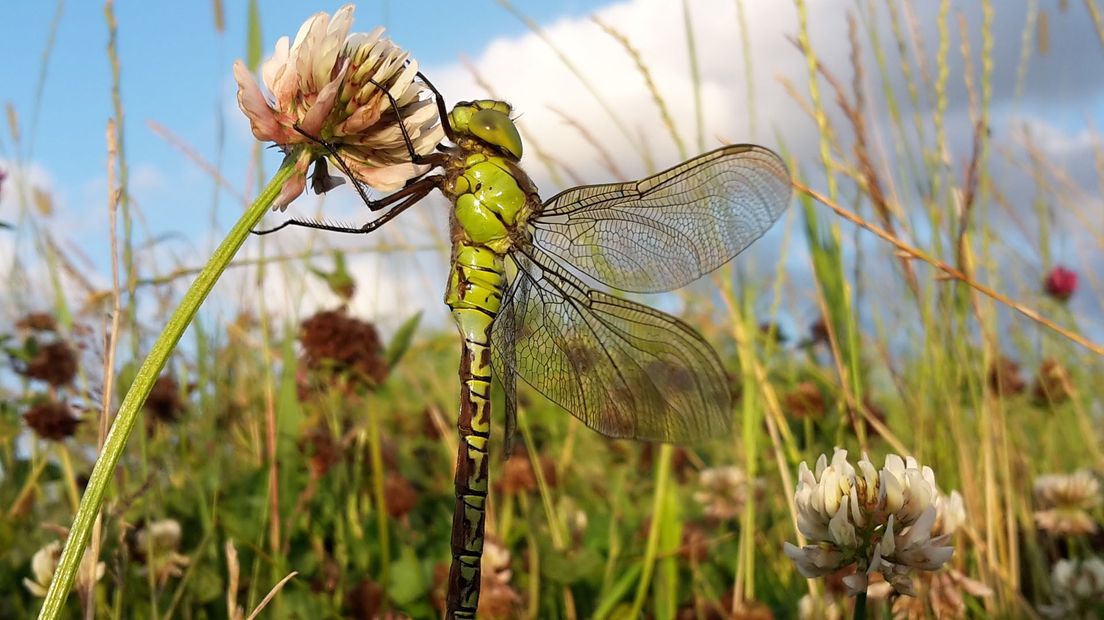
pixel 622 368
pixel 503 345
pixel 670 229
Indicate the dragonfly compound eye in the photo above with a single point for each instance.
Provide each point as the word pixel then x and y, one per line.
pixel 495 127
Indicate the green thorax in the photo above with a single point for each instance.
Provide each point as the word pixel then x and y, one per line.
pixel 491 196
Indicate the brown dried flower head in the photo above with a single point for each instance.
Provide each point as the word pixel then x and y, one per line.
pixel 164 403
pixel 333 340
pixel 1004 377
pixel 1053 384
pixel 401 495
pixel 804 401
pixel 37 322
pixel 322 84
pixel 52 420
pixel 54 363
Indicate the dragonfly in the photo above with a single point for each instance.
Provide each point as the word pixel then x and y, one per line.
pixel 533 290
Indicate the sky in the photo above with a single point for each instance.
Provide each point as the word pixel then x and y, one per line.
pixel 175 75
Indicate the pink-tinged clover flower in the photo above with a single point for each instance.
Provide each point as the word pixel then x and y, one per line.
pixel 1060 283
pixel 321 85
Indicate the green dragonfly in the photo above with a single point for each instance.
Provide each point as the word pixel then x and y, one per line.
pixel 519 294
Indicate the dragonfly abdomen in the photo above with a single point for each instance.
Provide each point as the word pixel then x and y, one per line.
pixel 475 297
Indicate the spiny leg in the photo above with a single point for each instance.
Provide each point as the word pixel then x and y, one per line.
pixel 406 197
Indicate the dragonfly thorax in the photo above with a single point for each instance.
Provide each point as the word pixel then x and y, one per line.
pixel 487 121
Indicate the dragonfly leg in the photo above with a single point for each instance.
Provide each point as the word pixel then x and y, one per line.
pixel 405 197
pixel 374 205
pixel 442 110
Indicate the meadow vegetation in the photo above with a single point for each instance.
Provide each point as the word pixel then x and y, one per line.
pixel 317 446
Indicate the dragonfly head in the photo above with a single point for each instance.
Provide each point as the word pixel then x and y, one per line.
pixel 489 121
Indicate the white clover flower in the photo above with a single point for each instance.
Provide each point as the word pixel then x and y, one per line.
pixel 881 520
pixel 1078 589
pixel 320 84
pixel 45 562
pixel 1062 503
pixel 723 492
pixel 158 545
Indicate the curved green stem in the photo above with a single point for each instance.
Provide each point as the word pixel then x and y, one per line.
pixel 143 382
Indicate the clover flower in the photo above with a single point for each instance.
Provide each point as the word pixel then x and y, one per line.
pixel 157 545
pixel 1060 283
pixel 1062 503
pixel 723 492
pixel 880 520
pixel 1078 589
pixel 498 598
pixel 322 85
pixel 45 562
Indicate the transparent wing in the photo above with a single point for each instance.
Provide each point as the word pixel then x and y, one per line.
pixel 624 369
pixel 670 229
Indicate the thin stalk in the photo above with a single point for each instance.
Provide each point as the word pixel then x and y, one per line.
pixel 375 452
pixel 663 477
pixel 860 606
pixel 131 406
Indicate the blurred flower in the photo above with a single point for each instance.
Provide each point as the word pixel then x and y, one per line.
pixel 364 600
pixel 818 333
pixel 322 449
pixel 44 565
pixel 320 84
pixel 1004 377
pixel 1053 384
pixel 157 545
pixel 164 403
pixel 1078 589
pixel 881 521
pixel 723 491
pixel 1062 503
pixel 804 401
pixel 694 547
pixel 772 331
pixel 54 363
pixel 401 495
pixel 37 322
pixel 53 420
pixel 497 599
pixel 335 341
pixel 517 474
pixel 1060 283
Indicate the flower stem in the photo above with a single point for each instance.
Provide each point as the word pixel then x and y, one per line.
pixel 143 382
pixel 860 606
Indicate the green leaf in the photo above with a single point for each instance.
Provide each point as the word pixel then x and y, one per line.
pixel 609 605
pixel 408 582
pixel 401 341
